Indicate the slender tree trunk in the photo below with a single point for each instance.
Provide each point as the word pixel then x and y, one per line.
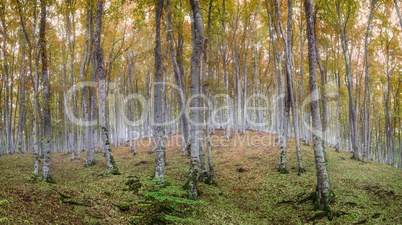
pixel 211 177
pixel 398 12
pixel 196 128
pixel 288 64
pixel 21 116
pixel 158 111
pixel 352 110
pixel 324 194
pixel 37 145
pixel 149 125
pixel 388 125
pixel 179 83
pixel 366 110
pixel 338 115
pixel 225 71
pixel 281 96
pixel 303 134
pixel 46 94
pixel 71 43
pixel 323 74
pixel 7 113
pixel 89 158
pixel 203 175
pixel 112 167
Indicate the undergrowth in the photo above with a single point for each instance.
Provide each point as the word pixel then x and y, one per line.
pixel 249 189
pixel 164 204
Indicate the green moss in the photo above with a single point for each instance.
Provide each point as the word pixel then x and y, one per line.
pixel 210 181
pixel 283 170
pixel 134 184
pixel 114 171
pixel 203 177
pixel 300 171
pixel 354 158
pixel 49 180
pixel 246 198
pixel 87 165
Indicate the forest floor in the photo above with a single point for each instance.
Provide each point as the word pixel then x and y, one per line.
pixel 249 189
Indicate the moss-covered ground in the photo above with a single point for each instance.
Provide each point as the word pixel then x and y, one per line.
pixel 249 189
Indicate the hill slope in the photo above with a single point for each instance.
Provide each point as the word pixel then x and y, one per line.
pixel 249 190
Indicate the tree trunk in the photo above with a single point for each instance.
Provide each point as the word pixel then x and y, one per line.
pixel 158 113
pixel 196 128
pixel 112 167
pixel 366 110
pixel 179 82
pixel 211 176
pixel 352 110
pixel 398 12
pixel 388 126
pixel 324 194
pixel 46 95
pixel 7 113
pixel 21 121
pixel 338 115
pixel 323 74
pixel 287 39
pixel 89 158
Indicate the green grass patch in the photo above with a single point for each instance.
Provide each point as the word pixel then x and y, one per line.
pixel 249 189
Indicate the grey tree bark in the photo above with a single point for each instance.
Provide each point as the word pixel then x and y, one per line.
pixel 324 195
pixel 284 96
pixel 89 158
pixel 387 98
pixel 158 111
pixel 398 12
pixel 225 71
pixel 196 128
pixel 46 94
pixel 7 84
pixel 179 82
pixel 366 109
pixel 32 48
pixel 70 36
pixel 210 179
pixel 346 56
pixel 112 167
pixel 21 121
pixel 338 115
pixel 287 39
pixel 323 73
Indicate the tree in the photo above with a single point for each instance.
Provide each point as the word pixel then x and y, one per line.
pixel 196 128
pixel 398 12
pixel 366 110
pixel 179 82
pixel 46 94
pixel 343 24
pixel 7 116
pixel 289 99
pixel 158 114
pixel 22 98
pixel 323 195
pixel 112 167
pixel 89 158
